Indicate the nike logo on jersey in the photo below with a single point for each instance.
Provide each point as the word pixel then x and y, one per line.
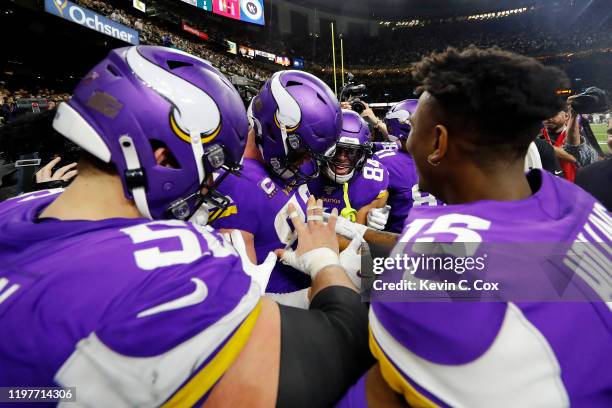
pixel 197 296
pixel 4 294
pixel 558 172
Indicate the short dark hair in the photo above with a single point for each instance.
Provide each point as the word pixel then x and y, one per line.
pixel 496 98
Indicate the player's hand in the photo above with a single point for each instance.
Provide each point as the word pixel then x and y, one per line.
pixel 259 273
pixel 63 173
pixel 317 242
pixel 350 260
pixel 346 228
pixel 377 217
pixel 345 105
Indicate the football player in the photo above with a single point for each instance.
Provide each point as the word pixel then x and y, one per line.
pixel 404 191
pixel 350 180
pixel 295 119
pixel 507 352
pixel 104 288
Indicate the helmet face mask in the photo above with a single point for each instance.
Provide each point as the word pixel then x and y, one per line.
pixel 348 156
pixel 297 119
pixel 299 165
pixel 207 194
pixel 346 160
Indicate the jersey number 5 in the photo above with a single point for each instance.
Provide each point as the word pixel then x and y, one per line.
pixel 188 251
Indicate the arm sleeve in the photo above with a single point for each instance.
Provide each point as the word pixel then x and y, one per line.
pixel 324 350
pixel 584 153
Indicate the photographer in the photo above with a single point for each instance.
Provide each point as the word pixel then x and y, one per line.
pixel 367 113
pixel 350 98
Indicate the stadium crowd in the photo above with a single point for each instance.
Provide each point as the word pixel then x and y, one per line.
pixel 8 99
pixel 152 31
pixel 523 33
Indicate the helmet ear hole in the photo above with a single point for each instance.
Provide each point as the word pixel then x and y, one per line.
pixel 173 64
pixel 169 159
pixel 112 70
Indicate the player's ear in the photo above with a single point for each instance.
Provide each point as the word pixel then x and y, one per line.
pixel 163 157
pixel 440 145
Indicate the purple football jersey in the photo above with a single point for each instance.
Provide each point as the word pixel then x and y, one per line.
pixel 513 353
pixel 388 146
pixel 366 186
pixel 403 186
pixel 259 206
pixel 129 311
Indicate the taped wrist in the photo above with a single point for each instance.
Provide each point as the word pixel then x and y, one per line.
pixel 324 350
pixel 316 260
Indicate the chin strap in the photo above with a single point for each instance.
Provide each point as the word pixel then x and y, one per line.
pixel 135 178
pixel 348 212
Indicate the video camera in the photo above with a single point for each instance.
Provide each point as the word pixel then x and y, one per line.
pixel 351 92
pixel 593 100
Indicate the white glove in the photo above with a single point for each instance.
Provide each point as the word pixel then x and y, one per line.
pixel 377 217
pixel 350 260
pixel 259 273
pixel 312 262
pixel 347 228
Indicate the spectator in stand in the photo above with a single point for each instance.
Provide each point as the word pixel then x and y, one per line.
pixel 9 109
pixel 115 16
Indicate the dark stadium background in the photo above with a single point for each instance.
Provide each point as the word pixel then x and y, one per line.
pixel 41 51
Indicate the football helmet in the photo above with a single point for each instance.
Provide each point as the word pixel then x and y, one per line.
pixel 350 153
pixel 398 118
pixel 144 97
pixel 296 118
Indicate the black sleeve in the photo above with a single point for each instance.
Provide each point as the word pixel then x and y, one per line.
pixel 324 350
pixel 550 162
pixel 595 179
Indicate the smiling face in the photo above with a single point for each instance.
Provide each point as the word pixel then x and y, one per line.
pixel 344 160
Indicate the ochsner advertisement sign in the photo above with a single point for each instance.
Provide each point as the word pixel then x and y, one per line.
pixel 89 19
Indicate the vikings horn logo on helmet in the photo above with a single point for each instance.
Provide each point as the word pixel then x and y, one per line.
pixel 188 101
pixel 403 116
pixel 288 112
